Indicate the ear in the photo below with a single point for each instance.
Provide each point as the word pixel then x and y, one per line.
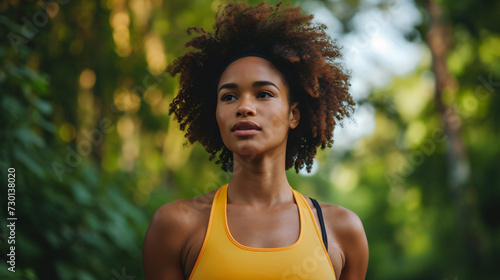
pixel 294 115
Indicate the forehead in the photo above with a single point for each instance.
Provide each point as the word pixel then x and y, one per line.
pixel 251 68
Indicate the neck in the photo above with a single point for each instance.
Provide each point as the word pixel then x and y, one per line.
pixel 259 182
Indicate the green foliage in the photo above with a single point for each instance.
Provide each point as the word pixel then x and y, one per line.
pixel 78 224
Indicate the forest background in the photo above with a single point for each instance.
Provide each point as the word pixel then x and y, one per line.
pixel 85 125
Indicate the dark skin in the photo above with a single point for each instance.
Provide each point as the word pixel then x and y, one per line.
pixel 261 210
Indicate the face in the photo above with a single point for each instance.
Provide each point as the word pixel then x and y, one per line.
pixel 253 112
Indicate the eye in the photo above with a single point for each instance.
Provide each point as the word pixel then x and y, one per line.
pixel 264 94
pixel 227 97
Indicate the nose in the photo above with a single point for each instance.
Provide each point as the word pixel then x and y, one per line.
pixel 246 107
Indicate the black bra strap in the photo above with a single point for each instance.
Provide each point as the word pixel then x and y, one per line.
pixel 321 223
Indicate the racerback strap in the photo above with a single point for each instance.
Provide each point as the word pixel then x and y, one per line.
pixel 321 222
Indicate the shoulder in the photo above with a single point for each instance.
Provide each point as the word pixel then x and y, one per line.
pixel 171 227
pixel 338 217
pixel 347 230
pixel 344 221
pixel 182 214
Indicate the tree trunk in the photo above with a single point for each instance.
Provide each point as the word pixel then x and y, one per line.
pixel 439 38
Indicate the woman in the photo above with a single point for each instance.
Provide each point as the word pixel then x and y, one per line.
pixel 263 93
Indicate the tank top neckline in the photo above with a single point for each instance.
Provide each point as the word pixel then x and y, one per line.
pixel 223 197
pixel 222 257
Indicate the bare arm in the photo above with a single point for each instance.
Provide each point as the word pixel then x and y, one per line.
pixel 163 243
pixel 349 232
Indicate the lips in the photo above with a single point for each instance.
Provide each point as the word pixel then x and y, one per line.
pixel 245 128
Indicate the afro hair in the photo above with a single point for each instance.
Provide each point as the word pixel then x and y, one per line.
pixel 299 48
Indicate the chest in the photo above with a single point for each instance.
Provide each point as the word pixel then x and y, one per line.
pixel 264 228
pixel 257 229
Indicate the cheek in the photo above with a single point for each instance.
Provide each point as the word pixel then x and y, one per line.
pixel 280 121
pixel 220 116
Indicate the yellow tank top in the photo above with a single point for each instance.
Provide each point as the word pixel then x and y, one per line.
pixel 223 258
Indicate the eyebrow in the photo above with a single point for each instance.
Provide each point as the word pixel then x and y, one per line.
pixel 255 84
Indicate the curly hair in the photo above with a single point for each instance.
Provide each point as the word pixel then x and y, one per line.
pixel 301 50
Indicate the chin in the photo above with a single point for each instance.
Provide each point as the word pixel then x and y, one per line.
pixel 246 152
